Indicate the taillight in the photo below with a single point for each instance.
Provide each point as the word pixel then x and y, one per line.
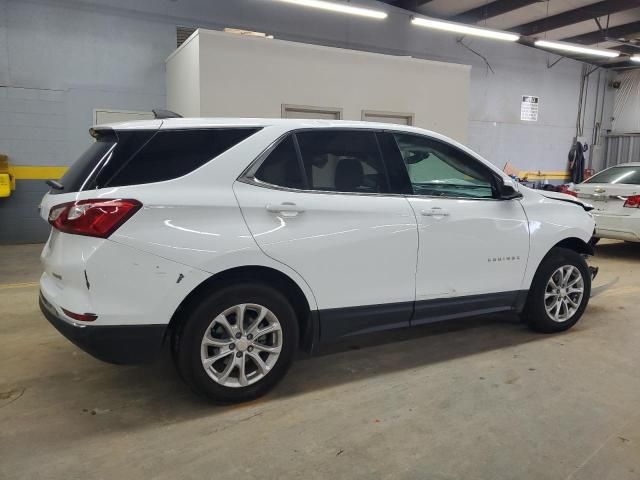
pixel 632 202
pixel 93 218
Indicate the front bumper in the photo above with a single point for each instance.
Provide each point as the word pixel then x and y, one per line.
pixel 119 344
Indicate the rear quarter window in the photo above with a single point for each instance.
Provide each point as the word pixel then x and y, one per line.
pixel 282 167
pixel 168 154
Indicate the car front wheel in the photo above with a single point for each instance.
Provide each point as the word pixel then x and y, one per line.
pixel 560 292
pixel 238 343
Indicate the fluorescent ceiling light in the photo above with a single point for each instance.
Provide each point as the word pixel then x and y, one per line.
pixel 568 47
pixel 464 29
pixel 248 33
pixel 636 58
pixel 340 8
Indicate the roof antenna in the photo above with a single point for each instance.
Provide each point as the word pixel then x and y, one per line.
pixel 159 113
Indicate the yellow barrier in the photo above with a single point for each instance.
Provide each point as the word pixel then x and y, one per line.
pixel 5 185
pixel 556 175
pixel 10 173
pixel 23 172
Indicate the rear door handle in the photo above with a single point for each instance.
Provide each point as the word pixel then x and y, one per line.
pixel 287 209
pixel 435 212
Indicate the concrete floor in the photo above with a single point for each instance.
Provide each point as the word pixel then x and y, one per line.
pixel 477 399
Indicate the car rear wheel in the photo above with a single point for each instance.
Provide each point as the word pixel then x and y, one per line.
pixel 238 343
pixel 560 292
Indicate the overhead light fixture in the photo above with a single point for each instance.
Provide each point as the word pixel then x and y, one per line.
pixel 248 33
pixel 464 29
pixel 569 47
pixel 635 58
pixel 339 8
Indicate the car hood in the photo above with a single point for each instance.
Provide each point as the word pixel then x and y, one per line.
pixel 565 198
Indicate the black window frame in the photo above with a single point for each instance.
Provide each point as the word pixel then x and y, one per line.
pixel 495 179
pixel 404 186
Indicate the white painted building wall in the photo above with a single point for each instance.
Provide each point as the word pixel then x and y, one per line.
pixel 183 78
pixel 254 77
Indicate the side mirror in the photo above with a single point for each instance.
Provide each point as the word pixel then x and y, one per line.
pixel 508 189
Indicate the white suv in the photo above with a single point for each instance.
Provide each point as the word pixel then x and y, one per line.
pixel 238 241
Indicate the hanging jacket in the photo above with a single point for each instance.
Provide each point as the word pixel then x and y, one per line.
pixel 576 163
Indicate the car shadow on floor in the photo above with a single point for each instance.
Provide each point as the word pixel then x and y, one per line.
pixel 617 250
pixel 154 393
pixel 383 353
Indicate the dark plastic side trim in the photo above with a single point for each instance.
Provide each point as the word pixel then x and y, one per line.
pixel 436 310
pixel 119 344
pixel 341 322
pixel 311 336
pixel 521 301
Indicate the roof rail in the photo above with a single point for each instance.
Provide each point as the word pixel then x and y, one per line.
pixel 159 113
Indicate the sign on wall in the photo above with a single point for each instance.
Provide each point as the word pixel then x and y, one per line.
pixel 529 108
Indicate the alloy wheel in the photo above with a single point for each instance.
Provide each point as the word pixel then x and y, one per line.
pixel 563 293
pixel 241 345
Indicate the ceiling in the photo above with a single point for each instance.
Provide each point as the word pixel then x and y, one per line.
pixel 613 24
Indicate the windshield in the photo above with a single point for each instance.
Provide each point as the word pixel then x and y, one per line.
pixel 622 175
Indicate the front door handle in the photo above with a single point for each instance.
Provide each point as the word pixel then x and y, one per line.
pixel 435 212
pixel 286 209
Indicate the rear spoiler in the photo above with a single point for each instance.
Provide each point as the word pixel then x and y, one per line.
pixel 95 132
pixel 160 114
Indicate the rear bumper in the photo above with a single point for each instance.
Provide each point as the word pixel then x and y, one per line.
pixel 617 235
pixel 119 344
pixel 618 227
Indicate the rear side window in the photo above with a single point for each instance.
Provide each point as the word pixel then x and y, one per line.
pixel 81 169
pixel 282 167
pixel 168 154
pixel 342 161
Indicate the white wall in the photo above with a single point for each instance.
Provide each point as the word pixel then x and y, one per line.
pixel 183 78
pixel 254 77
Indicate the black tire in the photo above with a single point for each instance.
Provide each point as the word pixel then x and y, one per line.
pixel 535 312
pixel 196 322
pixel 594 241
